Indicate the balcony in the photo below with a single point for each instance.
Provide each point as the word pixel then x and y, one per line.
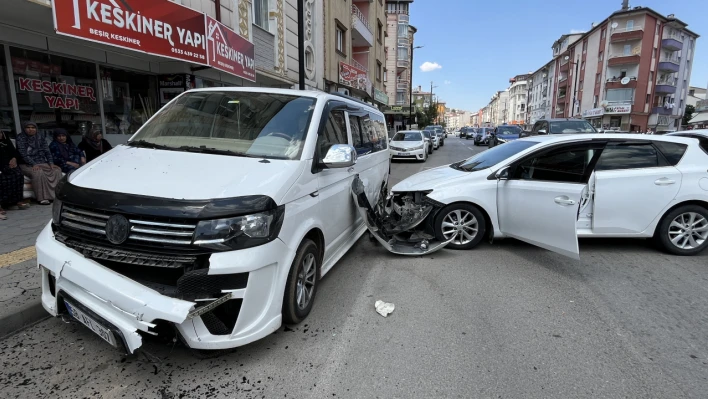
pixel 669 64
pixel 402 85
pixel 403 17
pixel 403 64
pixel 627 34
pixel 403 42
pixel 621 59
pixel 362 36
pixel 564 65
pixel 661 110
pixel 667 85
pixel 672 41
pixel 356 64
pixel 561 98
pixel 616 83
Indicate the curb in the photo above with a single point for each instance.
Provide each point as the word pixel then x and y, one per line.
pixel 23 317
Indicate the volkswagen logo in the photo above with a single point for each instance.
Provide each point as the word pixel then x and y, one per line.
pixel 117 229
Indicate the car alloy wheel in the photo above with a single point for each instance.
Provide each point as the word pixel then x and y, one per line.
pixel 688 231
pixel 462 223
pixel 306 280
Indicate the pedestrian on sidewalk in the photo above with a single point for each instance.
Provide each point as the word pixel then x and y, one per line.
pixel 65 153
pixel 93 145
pixel 38 163
pixel 11 178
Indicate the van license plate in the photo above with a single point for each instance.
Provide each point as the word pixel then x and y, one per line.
pixel 89 322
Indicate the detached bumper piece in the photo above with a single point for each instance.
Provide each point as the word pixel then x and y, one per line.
pixel 398 222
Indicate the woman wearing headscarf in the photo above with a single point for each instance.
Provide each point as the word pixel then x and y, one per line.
pixel 11 178
pixel 93 145
pixel 38 162
pixel 65 153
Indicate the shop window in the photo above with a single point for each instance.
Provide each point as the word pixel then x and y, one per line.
pixel 7 120
pixel 129 99
pixel 55 91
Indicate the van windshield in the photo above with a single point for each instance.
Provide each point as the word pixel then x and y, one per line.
pixel 263 125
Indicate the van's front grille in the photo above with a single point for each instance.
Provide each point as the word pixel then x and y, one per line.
pixel 90 223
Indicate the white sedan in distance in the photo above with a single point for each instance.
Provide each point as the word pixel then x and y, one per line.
pixel 550 190
pixel 409 145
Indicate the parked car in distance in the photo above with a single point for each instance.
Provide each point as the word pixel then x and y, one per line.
pixel 142 242
pixel 550 190
pixel 503 134
pixel 463 132
pixel 481 136
pixel 409 144
pixel 559 126
pixel 430 139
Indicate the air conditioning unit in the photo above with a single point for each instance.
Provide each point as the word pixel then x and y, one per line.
pixel 343 91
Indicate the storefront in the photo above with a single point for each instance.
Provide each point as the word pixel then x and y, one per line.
pixel 610 117
pixel 114 81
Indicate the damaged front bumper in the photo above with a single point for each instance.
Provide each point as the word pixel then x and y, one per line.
pixel 398 221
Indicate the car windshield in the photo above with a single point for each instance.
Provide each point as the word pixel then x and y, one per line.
pixel 426 133
pixel 493 156
pixel 407 137
pixel 571 127
pixel 508 130
pixel 262 125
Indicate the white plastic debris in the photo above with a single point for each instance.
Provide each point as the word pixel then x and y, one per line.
pixel 384 308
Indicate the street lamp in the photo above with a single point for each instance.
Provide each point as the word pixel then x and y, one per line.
pixel 575 83
pixel 410 88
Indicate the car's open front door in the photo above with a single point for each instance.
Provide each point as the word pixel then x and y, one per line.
pixel 541 213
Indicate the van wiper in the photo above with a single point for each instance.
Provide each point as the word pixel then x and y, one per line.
pixel 147 144
pixel 217 151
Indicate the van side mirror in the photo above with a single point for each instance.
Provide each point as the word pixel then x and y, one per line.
pixel 502 174
pixel 339 156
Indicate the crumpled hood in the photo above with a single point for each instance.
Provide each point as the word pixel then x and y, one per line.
pixel 186 175
pixel 428 179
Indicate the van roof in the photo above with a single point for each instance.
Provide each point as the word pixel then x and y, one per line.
pixel 291 92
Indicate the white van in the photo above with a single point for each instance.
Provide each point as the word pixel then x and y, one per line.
pixel 218 217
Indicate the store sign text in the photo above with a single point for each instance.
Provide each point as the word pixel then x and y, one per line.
pixel 618 109
pixel 63 89
pixel 230 52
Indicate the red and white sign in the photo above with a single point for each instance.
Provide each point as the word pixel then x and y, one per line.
pixel 158 27
pixel 230 52
pixel 62 89
pixel 354 77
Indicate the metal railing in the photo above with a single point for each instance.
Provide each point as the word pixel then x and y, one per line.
pixel 632 29
pixel 667 81
pixel 675 35
pixel 673 59
pixel 360 15
pixel 401 84
pixel 356 64
pixel 614 80
pixel 619 55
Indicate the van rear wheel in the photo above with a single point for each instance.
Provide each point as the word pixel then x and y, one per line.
pixel 301 286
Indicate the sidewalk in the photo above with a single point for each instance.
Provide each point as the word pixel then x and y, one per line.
pixel 19 277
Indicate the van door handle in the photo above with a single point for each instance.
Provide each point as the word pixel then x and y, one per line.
pixel 664 182
pixel 350 170
pixel 564 200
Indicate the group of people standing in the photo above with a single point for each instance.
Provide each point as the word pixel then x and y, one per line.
pixel 44 163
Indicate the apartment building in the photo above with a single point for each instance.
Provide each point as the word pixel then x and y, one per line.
pixel 399 47
pixel 518 93
pixel 540 93
pixel 355 52
pixel 473 121
pixel 629 73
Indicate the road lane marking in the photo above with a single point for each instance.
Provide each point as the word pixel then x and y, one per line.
pixel 19 256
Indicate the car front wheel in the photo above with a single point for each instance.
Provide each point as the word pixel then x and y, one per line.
pixel 684 231
pixel 463 223
pixel 301 286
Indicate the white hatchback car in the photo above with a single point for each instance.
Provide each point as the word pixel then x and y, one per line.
pixel 550 190
pixel 409 145
pixel 217 219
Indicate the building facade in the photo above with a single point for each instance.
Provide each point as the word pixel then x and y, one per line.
pixel 540 93
pixel 104 79
pixel 517 100
pixel 399 49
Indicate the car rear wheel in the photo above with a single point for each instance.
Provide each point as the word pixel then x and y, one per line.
pixel 463 223
pixel 684 231
pixel 301 286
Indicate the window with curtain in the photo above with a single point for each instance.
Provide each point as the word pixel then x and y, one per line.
pixel 260 13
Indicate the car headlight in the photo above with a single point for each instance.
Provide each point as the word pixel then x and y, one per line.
pixel 240 232
pixel 56 212
pixel 420 147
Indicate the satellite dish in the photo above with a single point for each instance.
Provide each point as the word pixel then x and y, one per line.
pixel 625 80
pixel 614 25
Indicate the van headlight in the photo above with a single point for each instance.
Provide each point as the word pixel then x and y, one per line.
pixel 240 232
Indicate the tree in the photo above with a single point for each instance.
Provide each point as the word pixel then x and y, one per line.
pixel 688 114
pixel 431 113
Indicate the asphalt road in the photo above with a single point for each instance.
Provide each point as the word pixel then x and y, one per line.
pixel 506 320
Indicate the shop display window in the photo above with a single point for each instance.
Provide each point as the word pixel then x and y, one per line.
pixel 7 120
pixel 55 91
pixel 129 99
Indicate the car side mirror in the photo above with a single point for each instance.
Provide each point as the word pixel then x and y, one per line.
pixel 502 174
pixel 542 131
pixel 339 156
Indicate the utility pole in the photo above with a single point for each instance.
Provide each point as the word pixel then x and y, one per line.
pixel 301 42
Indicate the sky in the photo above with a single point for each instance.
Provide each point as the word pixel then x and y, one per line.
pixel 471 48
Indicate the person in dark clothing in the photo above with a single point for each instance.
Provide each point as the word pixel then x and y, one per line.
pixel 65 153
pixel 11 178
pixel 94 145
pixel 38 163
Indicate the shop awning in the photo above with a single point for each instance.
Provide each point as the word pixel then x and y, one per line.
pixel 700 118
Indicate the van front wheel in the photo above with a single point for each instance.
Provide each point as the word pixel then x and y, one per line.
pixel 301 286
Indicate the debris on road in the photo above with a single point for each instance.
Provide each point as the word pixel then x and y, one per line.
pixel 384 308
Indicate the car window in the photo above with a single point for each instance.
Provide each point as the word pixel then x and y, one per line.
pixel 413 136
pixel 493 156
pixel 508 130
pixel 702 140
pixel 378 124
pixel 538 126
pixel 355 126
pixel 628 156
pixel 334 132
pixel 426 134
pixel 566 165
pixel 673 152
pixel 571 127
